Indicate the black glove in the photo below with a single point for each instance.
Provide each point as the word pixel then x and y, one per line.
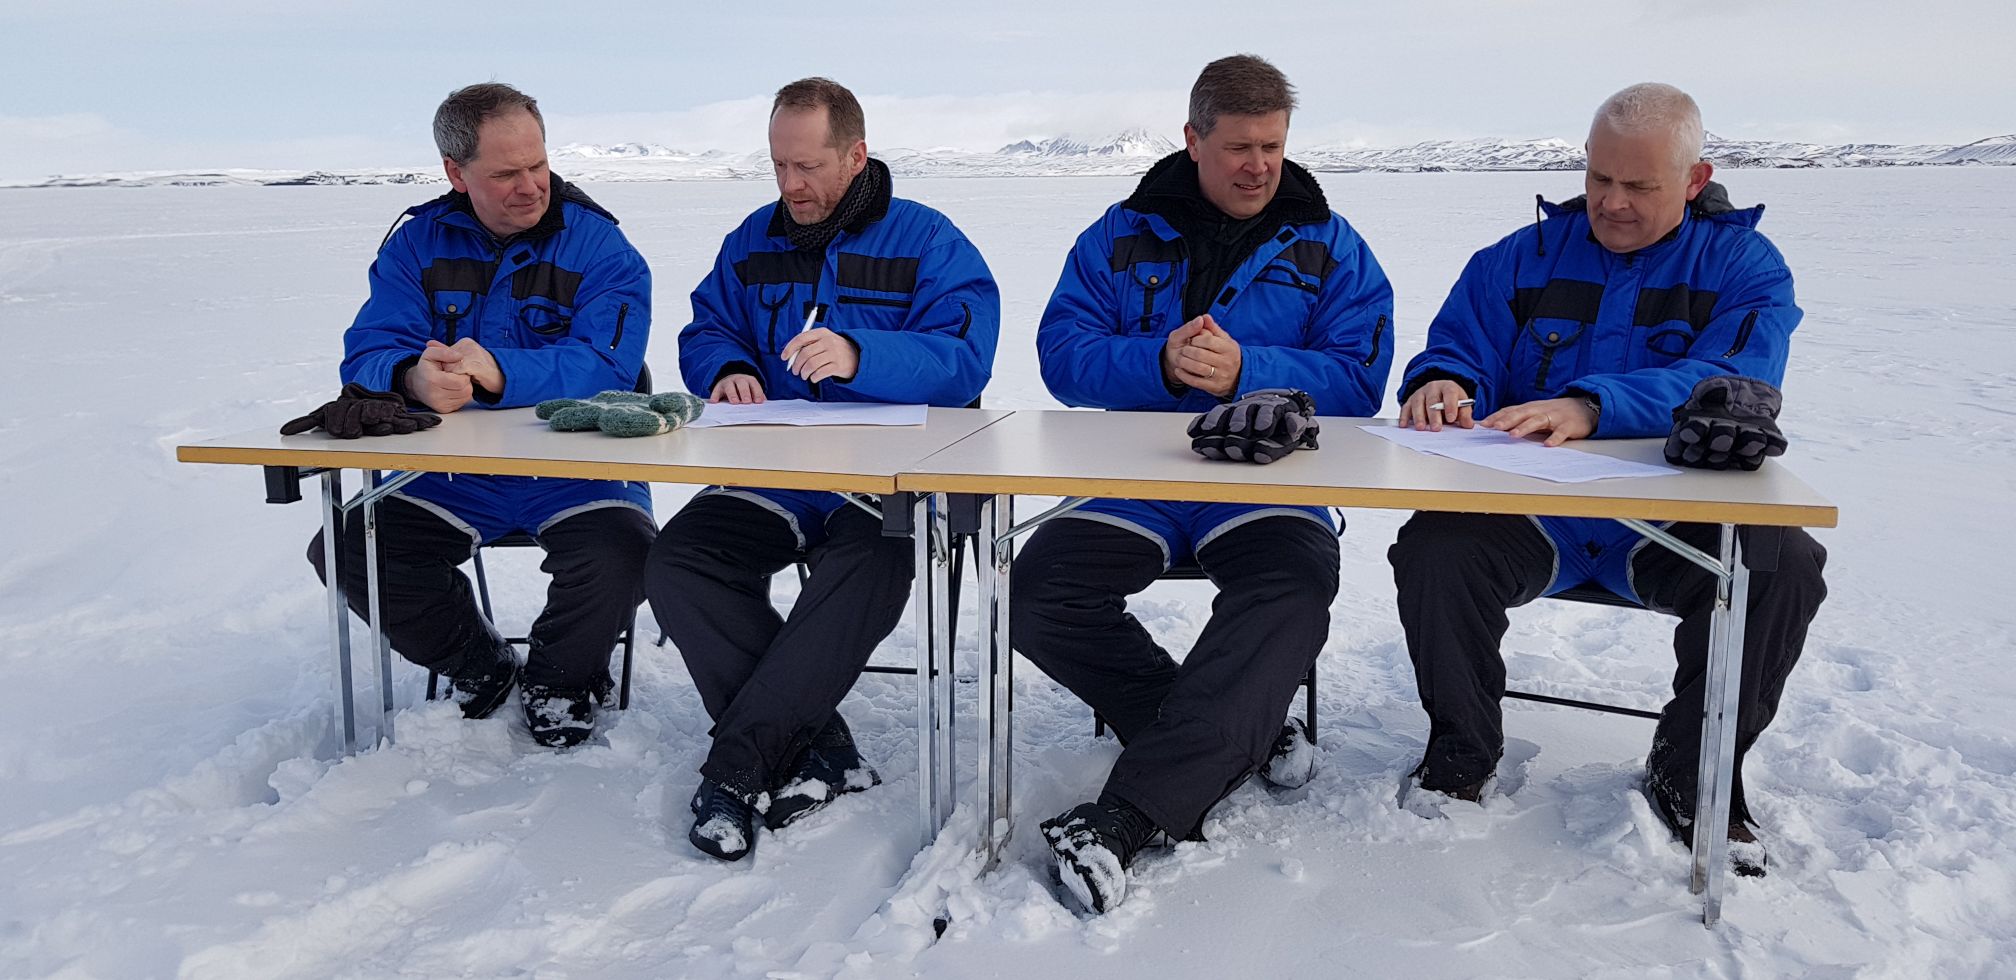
pixel 1261 427
pixel 1727 421
pixel 359 411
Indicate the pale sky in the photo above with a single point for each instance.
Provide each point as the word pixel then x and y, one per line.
pixel 89 86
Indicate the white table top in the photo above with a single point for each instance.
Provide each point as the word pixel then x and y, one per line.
pixel 1147 455
pixel 856 458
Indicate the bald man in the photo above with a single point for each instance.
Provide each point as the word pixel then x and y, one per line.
pixel 1595 322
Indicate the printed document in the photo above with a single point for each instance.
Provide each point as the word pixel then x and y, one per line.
pixel 1501 451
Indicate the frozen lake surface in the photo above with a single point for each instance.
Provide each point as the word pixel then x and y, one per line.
pixel 169 809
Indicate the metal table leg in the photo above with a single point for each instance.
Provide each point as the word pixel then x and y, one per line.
pixel 1715 767
pixel 945 751
pixel 379 644
pixel 367 502
pixel 339 610
pixel 994 789
pixel 927 712
pixel 934 674
pixel 1721 704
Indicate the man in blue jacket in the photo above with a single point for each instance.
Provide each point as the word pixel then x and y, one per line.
pixel 1224 273
pixel 1597 322
pixel 510 289
pixel 837 292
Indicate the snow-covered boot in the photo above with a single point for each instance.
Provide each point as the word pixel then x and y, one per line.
pixel 724 824
pixel 559 717
pixel 830 766
pixel 1747 855
pixel 1095 844
pixel 1292 760
pixel 480 683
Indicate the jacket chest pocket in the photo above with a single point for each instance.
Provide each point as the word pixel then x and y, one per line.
pixel 874 292
pixel 1553 350
pixel 1278 303
pixel 452 309
pixel 871 311
pixel 1286 276
pixel 1145 302
pixel 541 316
pixel 1662 345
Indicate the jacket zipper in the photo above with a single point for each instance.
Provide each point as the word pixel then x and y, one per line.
pixel 876 301
pixel 967 322
pixel 1742 335
pixel 1546 362
pixel 775 309
pixel 1297 283
pixel 1378 334
pixel 622 313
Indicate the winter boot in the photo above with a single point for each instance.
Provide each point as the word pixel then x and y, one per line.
pixel 1747 856
pixel 830 766
pixel 558 717
pixel 1095 844
pixel 479 684
pixel 1292 760
pixel 724 824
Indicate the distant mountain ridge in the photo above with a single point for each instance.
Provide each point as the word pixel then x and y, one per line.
pixel 1121 154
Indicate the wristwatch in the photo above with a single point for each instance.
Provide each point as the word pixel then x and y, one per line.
pixel 1595 410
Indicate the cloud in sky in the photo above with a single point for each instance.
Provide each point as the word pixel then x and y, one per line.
pixel 122 84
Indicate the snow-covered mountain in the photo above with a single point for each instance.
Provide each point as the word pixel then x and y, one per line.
pixel 1440 155
pixel 1121 154
pixel 1132 143
pixel 1995 150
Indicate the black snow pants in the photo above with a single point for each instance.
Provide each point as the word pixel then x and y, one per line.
pixel 1192 731
pixel 596 559
pixel 772 682
pixel 1458 573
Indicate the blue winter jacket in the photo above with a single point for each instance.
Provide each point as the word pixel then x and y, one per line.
pixel 1548 312
pixel 564 307
pixel 1309 306
pixel 901 283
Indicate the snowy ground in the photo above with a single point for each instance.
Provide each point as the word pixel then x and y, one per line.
pixel 170 808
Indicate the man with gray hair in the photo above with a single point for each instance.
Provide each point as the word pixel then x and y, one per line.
pixel 1597 322
pixel 1224 274
pixel 512 288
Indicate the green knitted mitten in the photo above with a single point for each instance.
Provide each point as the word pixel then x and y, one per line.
pixel 660 414
pixel 622 413
pixel 584 415
pixel 678 406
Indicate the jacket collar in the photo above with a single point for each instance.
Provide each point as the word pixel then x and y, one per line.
pixel 1170 189
pixel 1712 202
pixel 456 206
pixel 877 209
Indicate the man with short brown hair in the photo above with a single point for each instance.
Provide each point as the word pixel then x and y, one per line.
pixel 1224 273
pixel 839 291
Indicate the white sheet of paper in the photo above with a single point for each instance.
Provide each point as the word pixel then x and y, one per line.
pixel 1500 451
pixel 800 412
